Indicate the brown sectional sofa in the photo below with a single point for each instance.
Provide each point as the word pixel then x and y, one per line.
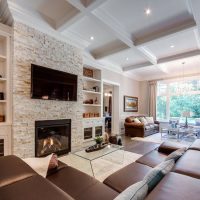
pixel 183 183
pixel 19 182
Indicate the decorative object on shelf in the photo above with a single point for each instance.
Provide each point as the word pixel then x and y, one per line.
pixel 1 76
pixel 87 72
pixel 130 104
pixel 86 115
pixel 96 101
pixel 1 96
pixel 96 115
pixel 89 101
pixel 2 118
pixel 91 114
pixel 96 147
pixel 96 88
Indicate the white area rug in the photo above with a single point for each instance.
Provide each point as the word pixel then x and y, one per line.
pixel 157 139
pixel 103 167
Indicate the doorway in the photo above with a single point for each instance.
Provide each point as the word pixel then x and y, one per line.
pixel 107 106
pixel 111 107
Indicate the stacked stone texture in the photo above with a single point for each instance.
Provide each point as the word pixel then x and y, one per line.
pixel 33 46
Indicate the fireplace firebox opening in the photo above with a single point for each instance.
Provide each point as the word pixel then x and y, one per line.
pixel 52 136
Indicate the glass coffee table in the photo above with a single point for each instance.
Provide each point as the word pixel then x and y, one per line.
pixel 110 149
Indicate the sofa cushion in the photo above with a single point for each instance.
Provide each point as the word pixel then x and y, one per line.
pixel 127 176
pixel 151 126
pixel 147 127
pixel 176 187
pixel 169 147
pixel 79 185
pixel 150 120
pixel 97 191
pixel 152 158
pixel 154 176
pixel 13 169
pixel 32 188
pixel 195 145
pixel 137 191
pixel 189 164
pixel 143 120
pixel 140 147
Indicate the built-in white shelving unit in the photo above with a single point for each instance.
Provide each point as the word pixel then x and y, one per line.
pixel 93 121
pixel 5 89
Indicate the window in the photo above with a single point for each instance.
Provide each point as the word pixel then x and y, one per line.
pixel 176 97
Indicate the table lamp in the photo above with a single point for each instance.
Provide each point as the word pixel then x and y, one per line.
pixel 186 114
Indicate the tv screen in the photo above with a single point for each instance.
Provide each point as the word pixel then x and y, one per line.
pixel 50 84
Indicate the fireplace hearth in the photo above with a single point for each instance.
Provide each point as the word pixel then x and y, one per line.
pixel 52 136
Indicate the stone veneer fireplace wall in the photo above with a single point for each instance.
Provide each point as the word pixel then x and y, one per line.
pixel 33 46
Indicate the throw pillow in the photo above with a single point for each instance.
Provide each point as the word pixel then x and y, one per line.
pixel 53 163
pixel 150 120
pixel 137 191
pixel 154 176
pixel 143 120
pixel 41 165
pixel 136 120
pixel 176 154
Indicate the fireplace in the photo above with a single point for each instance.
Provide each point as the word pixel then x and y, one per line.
pixel 52 136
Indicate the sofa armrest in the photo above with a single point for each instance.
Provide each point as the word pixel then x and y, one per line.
pixel 134 125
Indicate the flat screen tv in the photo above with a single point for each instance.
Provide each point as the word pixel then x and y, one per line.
pixel 50 84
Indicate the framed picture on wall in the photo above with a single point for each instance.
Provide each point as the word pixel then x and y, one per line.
pixel 130 104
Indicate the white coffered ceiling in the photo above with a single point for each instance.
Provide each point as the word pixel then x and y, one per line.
pixel 118 35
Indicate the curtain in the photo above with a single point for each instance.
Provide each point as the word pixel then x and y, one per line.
pixel 152 98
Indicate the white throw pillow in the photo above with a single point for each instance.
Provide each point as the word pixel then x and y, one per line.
pixel 137 191
pixel 150 120
pixel 143 120
pixel 136 120
pixel 40 165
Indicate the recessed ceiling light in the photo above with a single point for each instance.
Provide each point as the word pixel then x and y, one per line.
pixel 172 46
pixel 147 11
pixel 91 38
pixel 127 59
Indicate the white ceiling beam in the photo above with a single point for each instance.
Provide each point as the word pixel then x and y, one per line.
pixel 193 8
pixel 119 31
pixel 84 11
pixel 185 26
pixel 164 60
pixel 179 56
pixel 132 67
pixel 65 25
pixel 108 50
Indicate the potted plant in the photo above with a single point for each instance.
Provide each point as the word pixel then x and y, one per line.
pixel 99 140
